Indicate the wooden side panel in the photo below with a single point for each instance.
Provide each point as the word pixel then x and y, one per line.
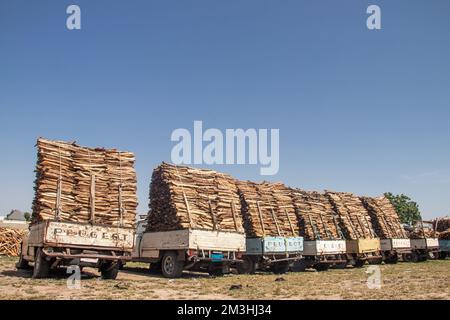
pixel 418 244
pixel 77 234
pixel 216 240
pixel 363 245
pixel 36 236
pixel 165 240
pixel 432 242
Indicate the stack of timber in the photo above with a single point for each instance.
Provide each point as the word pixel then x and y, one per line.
pixel 354 218
pixel 420 233
pixel 79 184
pixel 384 218
pixel 316 216
pixel 10 241
pixel 445 235
pixel 267 209
pixel 442 224
pixel 189 198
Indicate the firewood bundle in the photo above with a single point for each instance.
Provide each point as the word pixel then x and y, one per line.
pixel 442 224
pixel 317 218
pixel 10 240
pixel 384 218
pixel 354 218
pixel 183 197
pixel 79 184
pixel 267 209
pixel 445 235
pixel 420 233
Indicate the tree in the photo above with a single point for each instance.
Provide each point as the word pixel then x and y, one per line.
pixel 27 216
pixel 407 210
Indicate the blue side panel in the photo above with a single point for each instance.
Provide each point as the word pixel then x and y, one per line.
pixel 294 244
pixel 444 245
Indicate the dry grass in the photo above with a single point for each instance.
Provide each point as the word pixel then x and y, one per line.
pixel 428 280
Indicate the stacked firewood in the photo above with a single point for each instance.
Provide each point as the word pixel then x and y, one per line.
pixel 317 218
pixel 354 217
pixel 267 209
pixel 10 240
pixel 420 233
pixel 384 218
pixel 79 184
pixel 183 197
pixel 442 224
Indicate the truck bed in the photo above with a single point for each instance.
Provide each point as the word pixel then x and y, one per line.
pixel 323 247
pixel 151 242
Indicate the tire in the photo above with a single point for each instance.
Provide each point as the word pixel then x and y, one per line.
pixel 280 267
pixel 170 266
pixel 109 270
pixel 216 270
pixel 248 266
pixel 442 255
pixel 41 268
pixel 359 263
pixel 322 267
pixel 392 259
pixel 413 257
pixel 299 266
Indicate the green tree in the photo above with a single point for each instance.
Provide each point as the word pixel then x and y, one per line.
pixel 407 210
pixel 27 216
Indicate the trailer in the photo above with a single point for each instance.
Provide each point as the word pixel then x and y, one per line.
pixel 273 253
pixel 394 249
pixel 422 249
pixel 321 255
pixel 172 252
pixel 52 243
pixel 364 249
pixel 444 248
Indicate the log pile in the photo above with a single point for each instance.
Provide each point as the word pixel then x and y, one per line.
pixel 419 233
pixel 318 220
pixel 10 240
pixel 445 235
pixel 384 218
pixel 189 198
pixel 267 209
pixel 442 224
pixel 79 184
pixel 353 216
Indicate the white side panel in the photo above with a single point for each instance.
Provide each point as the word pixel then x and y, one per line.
pixel 319 247
pixel 216 240
pixel 432 242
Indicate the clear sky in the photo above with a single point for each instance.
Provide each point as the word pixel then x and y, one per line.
pixel 358 110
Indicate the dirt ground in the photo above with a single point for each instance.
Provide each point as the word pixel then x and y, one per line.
pixel 427 280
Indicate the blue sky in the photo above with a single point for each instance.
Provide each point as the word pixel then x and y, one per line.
pixel 358 110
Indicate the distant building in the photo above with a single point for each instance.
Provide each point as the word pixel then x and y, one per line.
pixel 15 215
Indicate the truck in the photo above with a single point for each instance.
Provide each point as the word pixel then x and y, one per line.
pixel 321 255
pixel 270 252
pixel 422 249
pixel 393 249
pixel 172 252
pixel 364 249
pixel 53 243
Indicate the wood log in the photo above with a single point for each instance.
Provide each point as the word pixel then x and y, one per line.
pixel 10 241
pixel 354 217
pixel 385 220
pixel 183 197
pixel 73 170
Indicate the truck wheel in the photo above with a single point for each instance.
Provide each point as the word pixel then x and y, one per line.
pixel 322 267
pixel 248 266
pixel 41 267
pixel 109 270
pixel 375 261
pixel 442 255
pixel 299 266
pixel 341 265
pixel 359 263
pixel 216 270
pixel 412 257
pixel 23 264
pixel 280 267
pixel 170 266
pixel 391 259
